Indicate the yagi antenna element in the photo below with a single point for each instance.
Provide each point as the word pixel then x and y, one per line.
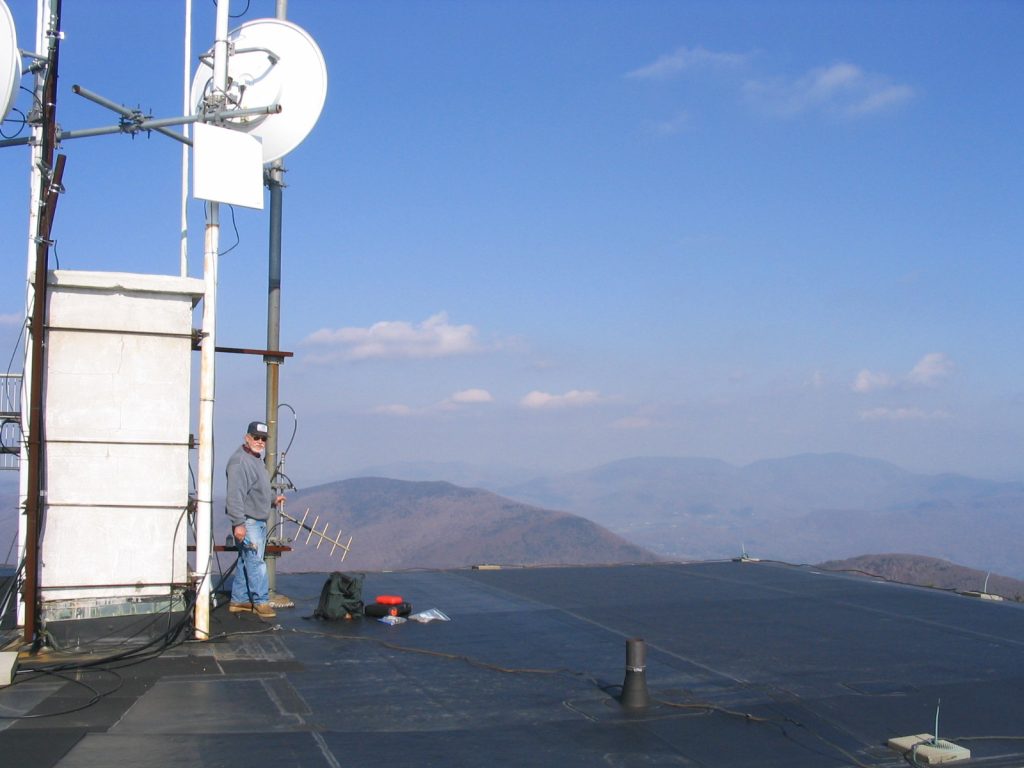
pixel 10 60
pixel 321 534
pixel 271 61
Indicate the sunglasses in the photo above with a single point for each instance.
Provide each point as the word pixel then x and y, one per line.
pixel 258 437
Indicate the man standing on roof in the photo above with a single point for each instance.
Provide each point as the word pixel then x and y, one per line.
pixel 249 502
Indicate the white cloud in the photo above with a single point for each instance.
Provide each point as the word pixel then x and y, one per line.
pixel 575 397
pixel 822 82
pixel 902 414
pixel 931 369
pixel 882 98
pixel 395 339
pixel 842 88
pixel 869 381
pixel 465 397
pixel 11 320
pixel 927 372
pixel 468 396
pixel 683 59
pixel 462 398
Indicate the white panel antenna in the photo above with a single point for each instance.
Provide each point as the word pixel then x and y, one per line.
pixel 271 61
pixel 10 60
pixel 228 166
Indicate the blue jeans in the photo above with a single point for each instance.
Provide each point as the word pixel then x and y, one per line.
pixel 250 582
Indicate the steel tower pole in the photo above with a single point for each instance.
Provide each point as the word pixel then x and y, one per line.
pixel 274 178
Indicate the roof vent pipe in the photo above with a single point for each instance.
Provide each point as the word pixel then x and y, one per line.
pixel 634 686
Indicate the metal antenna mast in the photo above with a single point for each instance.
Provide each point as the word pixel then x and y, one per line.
pixel 274 179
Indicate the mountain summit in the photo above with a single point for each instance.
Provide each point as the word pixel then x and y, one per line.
pixel 401 524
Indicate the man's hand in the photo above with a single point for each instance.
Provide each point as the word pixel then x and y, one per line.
pixel 239 531
pixel 279 501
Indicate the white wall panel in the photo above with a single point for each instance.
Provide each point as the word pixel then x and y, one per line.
pixel 121 301
pixel 126 388
pixel 116 474
pixel 112 547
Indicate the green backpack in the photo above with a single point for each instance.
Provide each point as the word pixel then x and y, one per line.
pixel 341 597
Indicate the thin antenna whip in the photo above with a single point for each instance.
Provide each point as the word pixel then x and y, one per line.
pixel 186 98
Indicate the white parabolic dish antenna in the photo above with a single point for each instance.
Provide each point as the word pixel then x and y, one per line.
pixel 272 62
pixel 10 60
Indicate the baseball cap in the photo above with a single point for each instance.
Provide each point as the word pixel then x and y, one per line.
pixel 257 429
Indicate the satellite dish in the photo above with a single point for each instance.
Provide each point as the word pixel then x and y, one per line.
pixel 272 61
pixel 10 60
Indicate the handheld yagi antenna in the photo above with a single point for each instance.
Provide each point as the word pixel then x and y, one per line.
pixel 321 534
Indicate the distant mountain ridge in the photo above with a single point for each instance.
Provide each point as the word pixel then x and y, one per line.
pixel 781 487
pixel 456 472
pixel 802 508
pixel 930 572
pixel 434 524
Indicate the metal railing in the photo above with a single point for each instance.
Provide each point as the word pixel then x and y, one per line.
pixel 10 420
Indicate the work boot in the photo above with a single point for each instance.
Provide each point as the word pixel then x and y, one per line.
pixel 264 611
pixel 240 607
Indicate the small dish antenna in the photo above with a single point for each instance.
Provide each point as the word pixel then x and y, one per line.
pixel 10 60
pixel 271 61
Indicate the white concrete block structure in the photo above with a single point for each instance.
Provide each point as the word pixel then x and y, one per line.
pixel 116 443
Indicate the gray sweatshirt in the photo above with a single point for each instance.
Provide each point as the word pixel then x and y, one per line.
pixel 248 488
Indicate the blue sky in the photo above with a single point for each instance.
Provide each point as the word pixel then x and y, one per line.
pixel 553 234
